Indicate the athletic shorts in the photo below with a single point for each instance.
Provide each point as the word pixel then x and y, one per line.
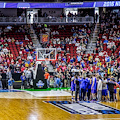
pixel 104 92
pixel 115 91
pixel 93 91
pixel 72 88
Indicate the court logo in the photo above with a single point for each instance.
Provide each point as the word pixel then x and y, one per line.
pixel 40 84
pixel 85 108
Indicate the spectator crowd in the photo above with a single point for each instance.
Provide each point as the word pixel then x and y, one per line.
pixel 71 42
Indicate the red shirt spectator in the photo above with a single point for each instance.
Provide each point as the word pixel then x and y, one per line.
pixel 20 61
pixel 22 68
pixel 118 60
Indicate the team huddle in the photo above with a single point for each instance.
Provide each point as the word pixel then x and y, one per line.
pixel 94 88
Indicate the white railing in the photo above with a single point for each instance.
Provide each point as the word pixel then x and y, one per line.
pixel 21 20
pixel 12 20
pixel 65 19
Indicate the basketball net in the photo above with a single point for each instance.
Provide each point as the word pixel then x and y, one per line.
pixel 47 61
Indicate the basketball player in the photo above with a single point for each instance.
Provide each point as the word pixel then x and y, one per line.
pixel 72 85
pixel 89 83
pixel 83 87
pixel 0 82
pixel 76 87
pixel 94 87
pixel 115 91
pixel 104 89
pixel 80 81
pixel 99 88
pixel 119 88
pixel 119 81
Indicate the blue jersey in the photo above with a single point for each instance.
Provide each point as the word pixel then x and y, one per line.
pixel 57 80
pixel 83 84
pixel 80 80
pixel 23 78
pixel 0 84
pixel 94 83
pixel 73 81
pixel 10 82
pixel 73 84
pixel 119 82
pixel 108 79
pixel 89 84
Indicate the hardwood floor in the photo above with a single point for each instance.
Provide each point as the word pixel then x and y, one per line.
pixel 23 106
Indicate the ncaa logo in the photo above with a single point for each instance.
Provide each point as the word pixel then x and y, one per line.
pixel 40 84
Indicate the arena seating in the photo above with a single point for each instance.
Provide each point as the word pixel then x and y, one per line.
pixel 64 32
pixel 98 60
pixel 110 42
pixel 15 53
pixel 21 38
pixel 68 53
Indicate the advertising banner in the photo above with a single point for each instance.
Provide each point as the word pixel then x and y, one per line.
pixel 44 38
pixel 61 5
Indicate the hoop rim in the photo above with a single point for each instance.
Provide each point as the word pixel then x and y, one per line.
pixel 47 60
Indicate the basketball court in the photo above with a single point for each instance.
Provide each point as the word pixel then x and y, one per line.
pixel 53 105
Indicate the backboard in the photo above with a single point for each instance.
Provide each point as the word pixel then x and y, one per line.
pixel 43 54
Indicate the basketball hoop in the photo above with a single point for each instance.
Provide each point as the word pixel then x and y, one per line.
pixel 46 54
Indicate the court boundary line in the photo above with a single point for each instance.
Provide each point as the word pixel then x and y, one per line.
pixel 58 107
pixel 86 107
pixel 29 92
pixel 108 106
pixel 102 105
pixel 16 90
pixel 73 111
pixel 89 108
pixel 61 106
